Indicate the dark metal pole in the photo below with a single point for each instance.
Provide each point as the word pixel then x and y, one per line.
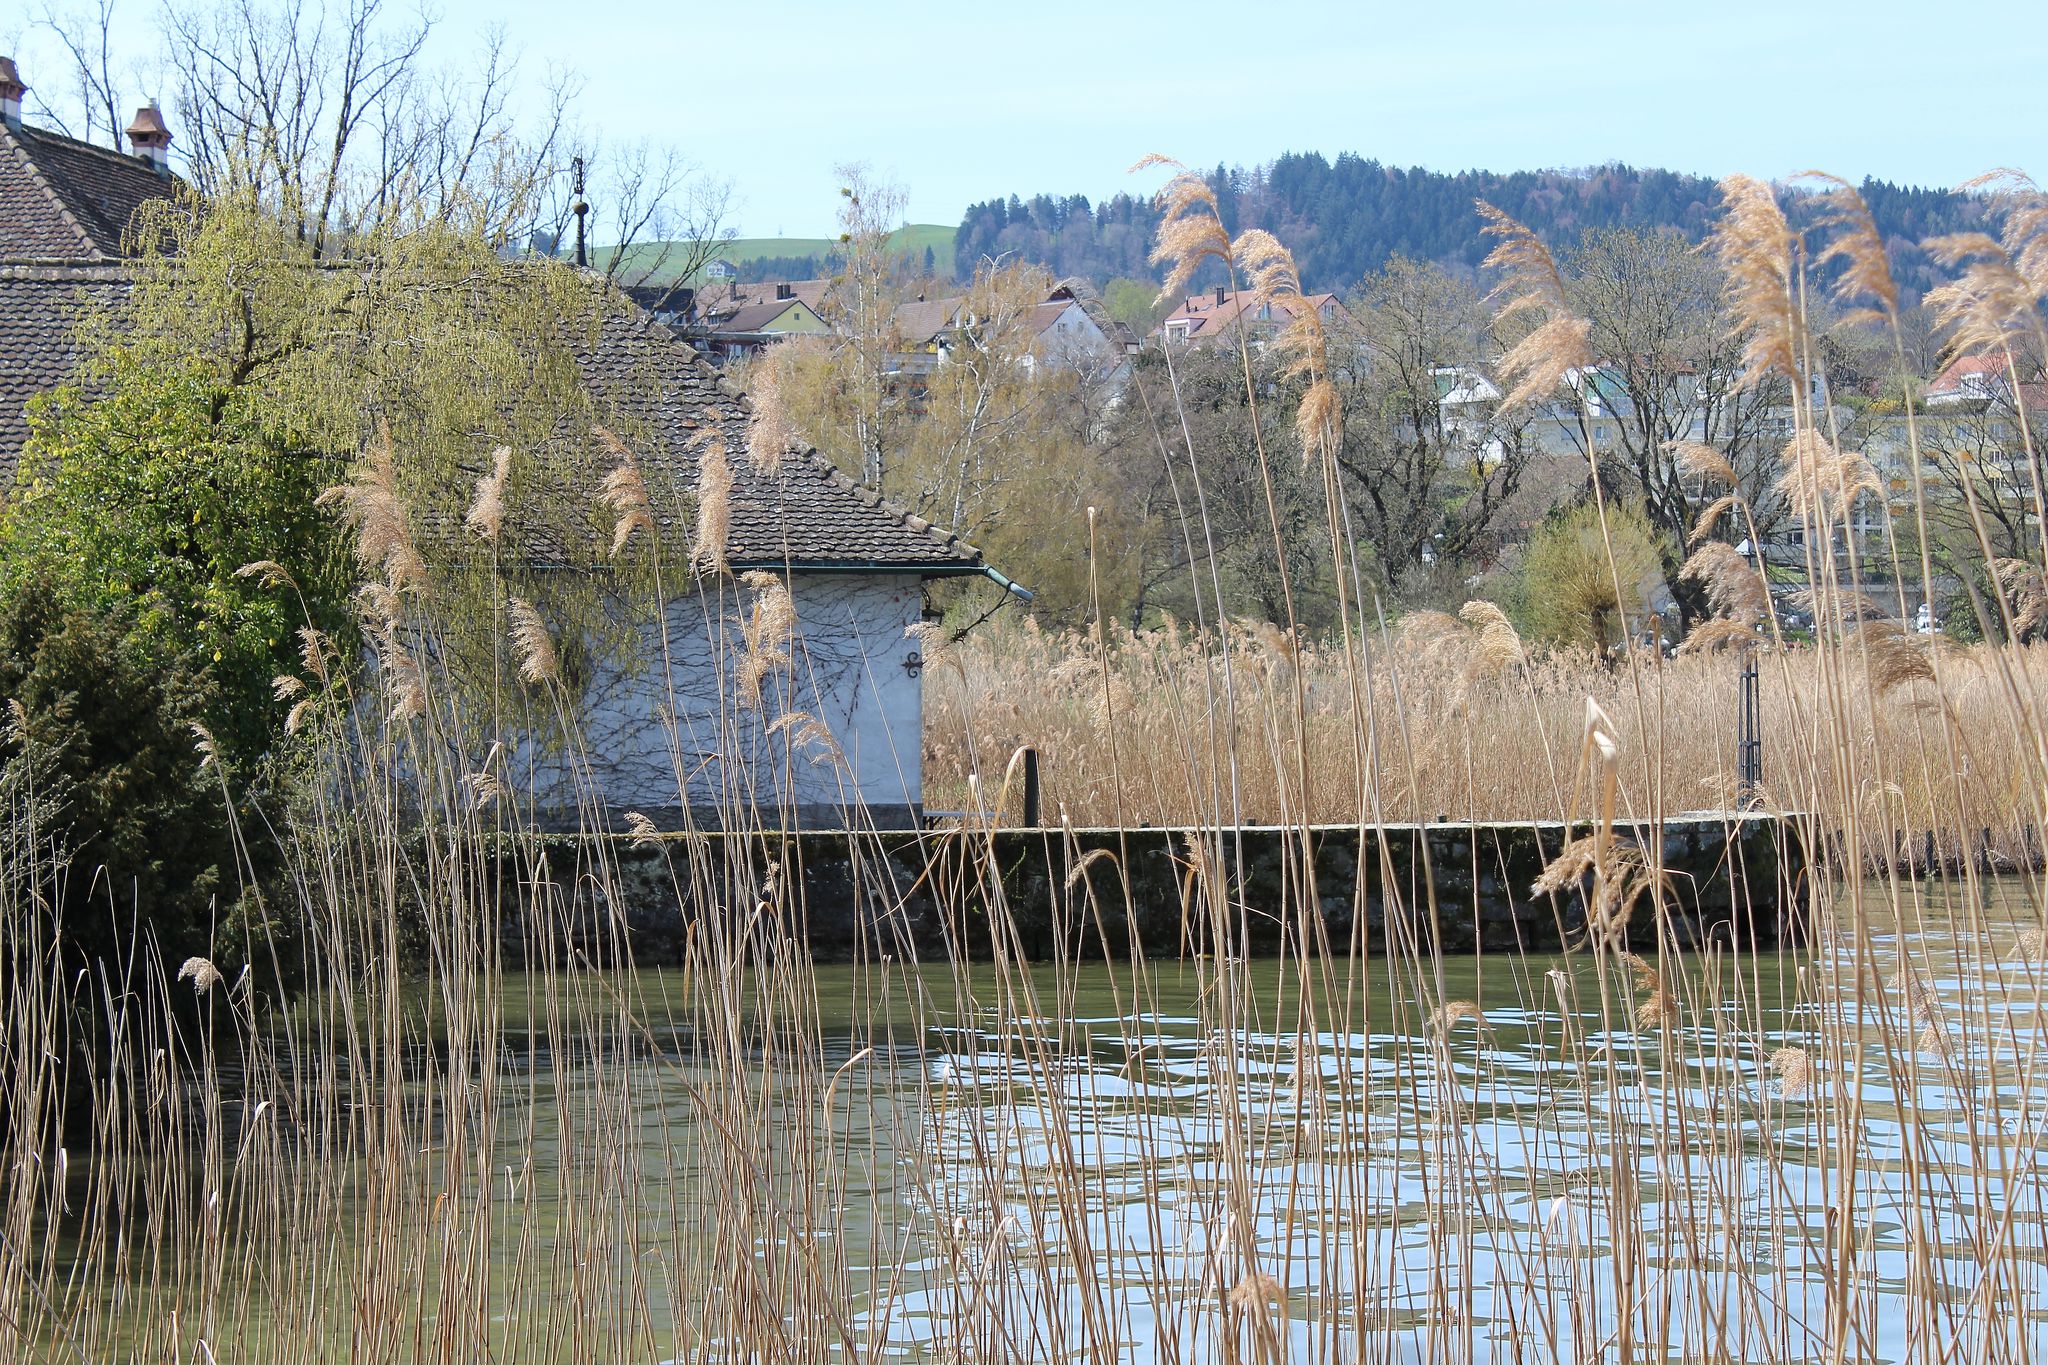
pixel 580 207
pixel 1031 820
pixel 1749 744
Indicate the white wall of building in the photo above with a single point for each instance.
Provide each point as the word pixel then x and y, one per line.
pixel 675 731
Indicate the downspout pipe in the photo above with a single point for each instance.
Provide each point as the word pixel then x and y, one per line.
pixel 995 576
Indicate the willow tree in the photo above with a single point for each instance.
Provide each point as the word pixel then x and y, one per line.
pixel 1574 567
pixel 243 376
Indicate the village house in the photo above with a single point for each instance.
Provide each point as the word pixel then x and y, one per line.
pixel 1068 330
pixel 740 321
pixel 836 740
pixel 1221 315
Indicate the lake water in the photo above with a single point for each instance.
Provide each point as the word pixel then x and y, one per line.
pixel 1194 1161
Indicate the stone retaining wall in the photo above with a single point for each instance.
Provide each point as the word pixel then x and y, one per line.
pixel 1458 887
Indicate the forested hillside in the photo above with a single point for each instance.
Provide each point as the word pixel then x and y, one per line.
pixel 1347 217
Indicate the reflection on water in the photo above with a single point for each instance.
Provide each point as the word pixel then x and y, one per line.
pixel 1796 1157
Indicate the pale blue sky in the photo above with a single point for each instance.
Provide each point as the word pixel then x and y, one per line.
pixel 964 101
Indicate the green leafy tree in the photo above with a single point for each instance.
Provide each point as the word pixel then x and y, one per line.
pixel 105 735
pixel 147 500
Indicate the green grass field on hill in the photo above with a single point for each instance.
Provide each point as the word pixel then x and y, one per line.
pixel 910 240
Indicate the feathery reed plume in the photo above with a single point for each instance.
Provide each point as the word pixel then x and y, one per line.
pixel 2025 593
pixel 806 731
pixel 1794 1066
pixel 1190 226
pixel 203 975
pixel 1304 341
pixel 1821 482
pixel 1896 658
pixel 1499 646
pixel 767 633
pixel 202 739
pixel 770 432
pixel 1733 587
pixel 1934 1036
pixel 1718 633
pixel 268 572
pixel 1278 650
pixel 1699 461
pixel 1078 873
pixel 484 787
pixel 625 492
pixel 1867 272
pixel 531 642
pixel 1710 516
pixel 1754 245
pixel 1256 1292
pixel 287 687
pixel 1658 1006
pixel 1559 344
pixel 1998 295
pixel 1451 1013
pixel 407 683
pixel 1621 880
pixel 1990 305
pixel 314 652
pixel 646 834
pixel 1850 604
pixel 1419 630
pixel 714 510
pixel 487 509
pixel 302 711
pixel 1568 868
pixel 2023 213
pixel 371 507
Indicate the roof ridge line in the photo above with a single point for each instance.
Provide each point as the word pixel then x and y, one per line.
pixel 892 508
pixel 18 267
pixel 42 181
pixel 944 540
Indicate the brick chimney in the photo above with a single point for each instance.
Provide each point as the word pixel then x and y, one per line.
pixel 150 138
pixel 783 291
pixel 11 91
pixel 1219 296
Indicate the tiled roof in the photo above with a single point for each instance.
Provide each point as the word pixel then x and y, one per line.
pixel 40 308
pixel 725 298
pixel 1045 315
pixel 920 320
pixel 754 317
pixel 1203 316
pixel 66 200
pixel 808 516
pixel 1985 377
pixel 1983 367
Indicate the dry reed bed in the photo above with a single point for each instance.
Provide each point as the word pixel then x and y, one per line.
pixel 1167 727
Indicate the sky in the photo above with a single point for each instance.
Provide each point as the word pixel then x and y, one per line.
pixel 967 101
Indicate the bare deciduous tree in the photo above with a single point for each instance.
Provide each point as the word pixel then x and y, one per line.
pixel 1424 484
pixel 1670 356
pixel 329 114
pixel 87 40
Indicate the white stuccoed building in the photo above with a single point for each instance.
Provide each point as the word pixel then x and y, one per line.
pixel 724 718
